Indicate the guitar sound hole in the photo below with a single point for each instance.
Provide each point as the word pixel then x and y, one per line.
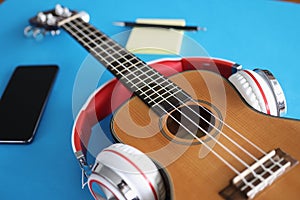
pixel 189 121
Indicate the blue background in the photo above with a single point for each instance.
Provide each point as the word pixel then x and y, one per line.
pixel 253 33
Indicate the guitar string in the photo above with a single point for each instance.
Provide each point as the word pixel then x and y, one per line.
pixel 201 128
pixel 203 131
pixel 236 132
pixel 117 70
pixel 244 181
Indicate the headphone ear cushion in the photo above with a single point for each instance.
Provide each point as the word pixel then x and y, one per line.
pixel 256 92
pixel 132 167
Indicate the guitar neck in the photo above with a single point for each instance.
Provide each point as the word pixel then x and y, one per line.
pixel 158 92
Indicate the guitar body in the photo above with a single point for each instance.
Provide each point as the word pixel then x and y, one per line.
pixel 194 171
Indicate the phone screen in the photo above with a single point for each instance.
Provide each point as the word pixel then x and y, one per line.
pixel 23 102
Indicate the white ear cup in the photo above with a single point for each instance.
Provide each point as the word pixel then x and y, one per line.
pixel 255 90
pixel 276 88
pixel 124 172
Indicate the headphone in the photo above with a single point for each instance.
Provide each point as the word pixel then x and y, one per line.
pixel 123 172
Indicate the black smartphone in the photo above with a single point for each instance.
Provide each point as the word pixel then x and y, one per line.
pixel 23 102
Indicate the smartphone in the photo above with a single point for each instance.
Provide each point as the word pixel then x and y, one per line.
pixel 23 102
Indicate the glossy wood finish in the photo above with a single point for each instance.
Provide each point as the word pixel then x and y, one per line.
pixel 196 173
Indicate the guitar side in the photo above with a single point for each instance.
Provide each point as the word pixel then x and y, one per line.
pixel 193 170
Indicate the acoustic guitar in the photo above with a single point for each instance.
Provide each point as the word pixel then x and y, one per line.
pixel 195 125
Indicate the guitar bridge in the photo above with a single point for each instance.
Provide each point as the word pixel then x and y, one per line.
pixel 258 176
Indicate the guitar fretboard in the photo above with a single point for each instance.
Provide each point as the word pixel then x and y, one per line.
pixel 159 93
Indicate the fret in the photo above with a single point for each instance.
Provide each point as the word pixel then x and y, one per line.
pixel 92 36
pixel 130 75
pixel 158 96
pixel 163 92
pixel 112 54
pixel 138 79
pixel 114 51
pixel 124 69
pixel 79 23
pixel 84 26
pixel 93 43
pixel 152 87
pixel 114 47
pixel 157 93
pixel 86 41
pixel 168 104
pixel 150 75
pixel 149 88
pixel 103 54
pixel 167 95
pixel 71 28
pixel 144 79
pixel 80 35
pixel 120 55
pixel 83 42
pixel 86 31
pixel 102 45
pixel 126 72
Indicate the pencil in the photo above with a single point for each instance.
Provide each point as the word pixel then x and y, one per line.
pixel 136 24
